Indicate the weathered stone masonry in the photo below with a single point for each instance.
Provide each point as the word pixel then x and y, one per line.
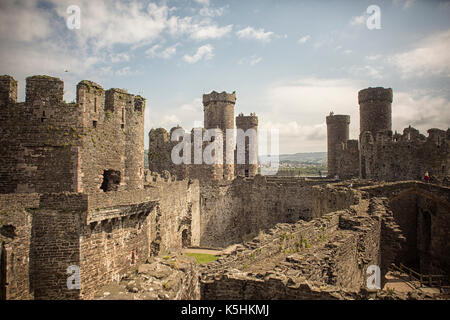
pixel 102 234
pixel 380 154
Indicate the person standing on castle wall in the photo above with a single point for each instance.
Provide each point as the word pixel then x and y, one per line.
pixel 427 177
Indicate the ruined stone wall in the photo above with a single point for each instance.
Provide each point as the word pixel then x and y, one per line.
pixel 333 197
pixel 101 233
pixel 292 261
pixel 233 212
pixel 109 248
pixel 15 239
pixel 162 218
pixel 422 213
pixel 406 157
pixel 48 145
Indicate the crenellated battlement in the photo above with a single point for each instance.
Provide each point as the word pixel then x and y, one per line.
pixel 375 94
pixel 246 122
pixel 410 136
pixel 409 155
pixel 219 97
pixel 52 146
pixel 8 90
pixel 338 118
pixel 44 89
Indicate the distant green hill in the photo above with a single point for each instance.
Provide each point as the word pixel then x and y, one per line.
pixel 302 157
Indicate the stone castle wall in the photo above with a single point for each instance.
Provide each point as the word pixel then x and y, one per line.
pixel 104 234
pixel 48 145
pixel 233 212
pixel 407 156
pixel 381 155
pixel 321 259
pixel 15 243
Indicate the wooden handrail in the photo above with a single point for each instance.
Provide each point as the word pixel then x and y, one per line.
pixel 429 279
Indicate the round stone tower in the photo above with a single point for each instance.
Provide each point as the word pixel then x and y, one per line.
pixel 337 133
pixel 375 111
pixel 219 113
pixel 248 141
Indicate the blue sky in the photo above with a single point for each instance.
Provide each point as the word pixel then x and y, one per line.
pixel 291 62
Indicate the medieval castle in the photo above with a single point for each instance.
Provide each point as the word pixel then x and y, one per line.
pixel 74 195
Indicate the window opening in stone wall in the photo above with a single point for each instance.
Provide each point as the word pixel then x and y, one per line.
pixel 111 180
pixel 246 173
pixel 94 124
pixel 95 105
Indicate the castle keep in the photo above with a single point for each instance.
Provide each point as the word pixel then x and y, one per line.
pixel 75 199
pixel 380 154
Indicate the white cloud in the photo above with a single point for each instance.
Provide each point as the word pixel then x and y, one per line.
pixel 406 4
pixel 253 60
pixel 251 33
pixel 308 101
pixel 373 57
pixel 422 111
pixel 203 2
pixel 107 23
pixel 211 12
pixel 157 51
pixel 304 39
pixel 23 21
pixel 204 52
pixel 125 71
pixel 197 30
pixel 358 20
pixel 186 115
pixel 169 121
pixel 119 57
pixel 365 71
pixel 200 32
pixel 194 106
pixel 430 57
